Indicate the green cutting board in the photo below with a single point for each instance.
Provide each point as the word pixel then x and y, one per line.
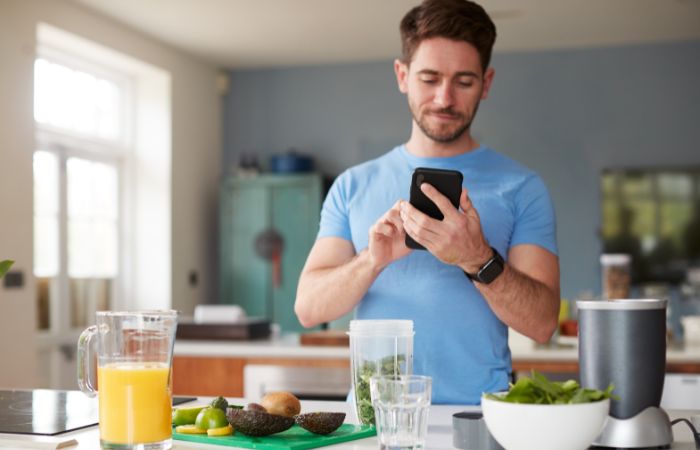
pixel 292 439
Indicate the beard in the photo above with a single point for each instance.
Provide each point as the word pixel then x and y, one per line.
pixel 442 132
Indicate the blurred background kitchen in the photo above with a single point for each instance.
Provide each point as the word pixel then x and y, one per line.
pixel 170 154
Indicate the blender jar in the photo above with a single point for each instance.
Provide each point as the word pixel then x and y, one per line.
pixel 377 347
pixel 616 275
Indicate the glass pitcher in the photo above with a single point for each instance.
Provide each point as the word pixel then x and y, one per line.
pixel 134 352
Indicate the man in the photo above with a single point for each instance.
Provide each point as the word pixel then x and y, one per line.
pixel 460 293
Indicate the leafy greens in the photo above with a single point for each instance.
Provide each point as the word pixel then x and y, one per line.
pixel 5 266
pixel 389 365
pixel 539 390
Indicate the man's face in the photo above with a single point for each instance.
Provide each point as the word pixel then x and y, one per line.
pixel 444 84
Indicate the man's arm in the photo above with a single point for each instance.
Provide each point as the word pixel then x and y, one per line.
pixel 525 296
pixel 335 279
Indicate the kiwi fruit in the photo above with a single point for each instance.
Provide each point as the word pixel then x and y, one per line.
pixel 281 403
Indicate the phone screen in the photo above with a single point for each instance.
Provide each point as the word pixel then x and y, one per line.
pixel 448 182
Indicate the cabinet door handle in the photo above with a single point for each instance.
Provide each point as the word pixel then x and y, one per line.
pixel 276 269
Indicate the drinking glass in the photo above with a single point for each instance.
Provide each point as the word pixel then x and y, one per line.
pixel 134 352
pixel 401 406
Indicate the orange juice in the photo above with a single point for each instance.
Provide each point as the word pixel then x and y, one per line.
pixel 135 403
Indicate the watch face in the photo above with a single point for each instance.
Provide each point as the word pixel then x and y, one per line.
pixel 490 271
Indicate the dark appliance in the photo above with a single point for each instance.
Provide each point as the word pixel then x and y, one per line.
pixel 623 342
pixel 50 412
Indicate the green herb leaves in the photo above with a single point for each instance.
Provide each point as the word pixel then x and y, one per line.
pixel 389 365
pixel 5 266
pixel 539 390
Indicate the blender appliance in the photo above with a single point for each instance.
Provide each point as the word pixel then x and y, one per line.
pixel 623 342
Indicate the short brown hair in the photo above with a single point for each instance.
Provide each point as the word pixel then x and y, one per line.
pixel 459 20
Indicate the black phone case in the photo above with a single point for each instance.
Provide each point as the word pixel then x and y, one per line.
pixel 448 182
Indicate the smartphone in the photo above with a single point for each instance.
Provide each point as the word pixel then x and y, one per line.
pixel 448 182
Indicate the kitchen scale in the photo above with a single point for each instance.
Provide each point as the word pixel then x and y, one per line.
pixel 49 412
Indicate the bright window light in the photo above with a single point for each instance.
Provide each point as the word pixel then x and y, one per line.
pixel 46 214
pixel 77 101
pixel 93 213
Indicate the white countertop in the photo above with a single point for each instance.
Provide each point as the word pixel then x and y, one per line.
pixel 288 346
pixel 439 429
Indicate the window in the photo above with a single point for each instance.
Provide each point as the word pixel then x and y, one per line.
pixel 78 167
pixel 653 215
pixel 102 190
pixel 77 101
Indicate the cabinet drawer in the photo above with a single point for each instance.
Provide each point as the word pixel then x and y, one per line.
pixel 681 391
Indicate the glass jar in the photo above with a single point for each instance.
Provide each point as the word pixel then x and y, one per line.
pixel 377 347
pixel 615 275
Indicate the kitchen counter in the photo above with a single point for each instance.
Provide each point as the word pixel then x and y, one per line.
pixel 684 359
pixel 286 346
pixel 439 429
pixel 556 357
pixel 226 362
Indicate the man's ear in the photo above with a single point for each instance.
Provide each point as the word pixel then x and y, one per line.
pixel 488 79
pixel 401 70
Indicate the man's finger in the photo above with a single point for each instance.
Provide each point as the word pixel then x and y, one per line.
pixel 421 235
pixel 443 203
pixel 464 201
pixel 394 216
pixel 385 228
pixel 422 226
pixel 417 215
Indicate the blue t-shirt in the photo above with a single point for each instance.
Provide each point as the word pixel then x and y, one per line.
pixel 458 340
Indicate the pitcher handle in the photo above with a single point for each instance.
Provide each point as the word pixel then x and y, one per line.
pixel 85 361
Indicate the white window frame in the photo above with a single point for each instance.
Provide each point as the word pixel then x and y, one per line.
pixel 146 199
pixel 117 153
pixel 123 82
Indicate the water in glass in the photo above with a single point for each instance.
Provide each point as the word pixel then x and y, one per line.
pixel 401 407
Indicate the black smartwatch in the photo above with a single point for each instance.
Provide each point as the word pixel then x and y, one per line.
pixel 490 270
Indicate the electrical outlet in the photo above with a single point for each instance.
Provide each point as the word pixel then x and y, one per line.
pixel 13 279
pixel 193 278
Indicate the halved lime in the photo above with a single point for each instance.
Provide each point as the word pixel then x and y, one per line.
pixel 223 431
pixel 189 429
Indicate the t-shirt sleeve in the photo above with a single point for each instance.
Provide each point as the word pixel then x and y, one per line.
pixel 534 216
pixel 334 213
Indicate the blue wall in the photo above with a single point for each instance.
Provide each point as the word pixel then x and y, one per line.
pixel 565 114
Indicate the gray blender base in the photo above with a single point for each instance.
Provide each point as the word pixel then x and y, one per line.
pixel 649 428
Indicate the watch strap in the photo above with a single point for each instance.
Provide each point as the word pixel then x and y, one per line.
pixel 490 270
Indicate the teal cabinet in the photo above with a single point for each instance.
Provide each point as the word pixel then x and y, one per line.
pixel 268 225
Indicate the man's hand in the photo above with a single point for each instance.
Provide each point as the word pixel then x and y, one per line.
pixel 526 295
pixel 387 239
pixel 457 239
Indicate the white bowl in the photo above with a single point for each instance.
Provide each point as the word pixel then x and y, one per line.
pixel 520 426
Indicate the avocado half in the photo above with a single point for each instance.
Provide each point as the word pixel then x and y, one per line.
pixel 257 423
pixel 320 422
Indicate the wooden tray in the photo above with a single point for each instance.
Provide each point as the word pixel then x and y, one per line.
pixel 249 329
pixel 331 338
pixel 295 438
